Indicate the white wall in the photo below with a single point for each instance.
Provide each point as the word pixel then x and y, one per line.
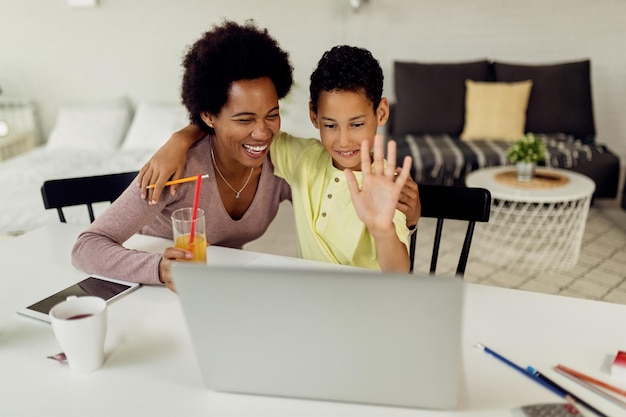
pixel 55 54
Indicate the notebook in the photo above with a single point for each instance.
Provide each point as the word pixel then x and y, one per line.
pixel 326 334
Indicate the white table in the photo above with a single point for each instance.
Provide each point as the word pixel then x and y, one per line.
pixel 532 229
pixel 151 369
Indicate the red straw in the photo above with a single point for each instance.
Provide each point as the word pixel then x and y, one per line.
pixel 194 216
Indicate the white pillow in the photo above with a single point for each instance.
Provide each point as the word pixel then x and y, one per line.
pixel 91 126
pixel 153 125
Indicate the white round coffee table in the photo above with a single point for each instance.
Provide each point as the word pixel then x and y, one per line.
pixel 533 226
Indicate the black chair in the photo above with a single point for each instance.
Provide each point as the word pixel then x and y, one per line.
pixel 84 190
pixel 456 203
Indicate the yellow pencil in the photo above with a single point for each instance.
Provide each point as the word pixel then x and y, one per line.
pixel 180 181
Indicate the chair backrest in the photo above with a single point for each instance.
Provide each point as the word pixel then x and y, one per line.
pixel 84 190
pixel 455 203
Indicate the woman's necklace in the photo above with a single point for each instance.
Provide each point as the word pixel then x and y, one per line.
pixel 237 193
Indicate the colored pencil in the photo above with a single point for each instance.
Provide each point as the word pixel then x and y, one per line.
pixel 523 371
pixel 568 395
pixel 592 387
pixel 593 380
pixel 180 181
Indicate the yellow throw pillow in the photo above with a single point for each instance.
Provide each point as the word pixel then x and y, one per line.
pixel 495 110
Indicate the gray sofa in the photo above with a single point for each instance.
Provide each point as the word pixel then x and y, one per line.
pixel 429 114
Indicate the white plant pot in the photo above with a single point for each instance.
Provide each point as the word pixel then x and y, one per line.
pixel 525 171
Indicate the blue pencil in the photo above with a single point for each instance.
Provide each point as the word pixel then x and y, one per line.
pixel 523 371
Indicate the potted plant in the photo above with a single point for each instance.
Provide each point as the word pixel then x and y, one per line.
pixel 525 153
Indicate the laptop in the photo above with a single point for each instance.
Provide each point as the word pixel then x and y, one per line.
pixel 328 334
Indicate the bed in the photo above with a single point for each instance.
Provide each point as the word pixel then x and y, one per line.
pixel 89 139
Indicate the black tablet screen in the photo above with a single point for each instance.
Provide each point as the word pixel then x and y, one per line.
pixel 88 286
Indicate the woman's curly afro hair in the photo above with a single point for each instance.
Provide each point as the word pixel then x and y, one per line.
pixel 230 52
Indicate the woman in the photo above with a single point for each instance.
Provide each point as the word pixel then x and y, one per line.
pixel 250 74
pixel 238 111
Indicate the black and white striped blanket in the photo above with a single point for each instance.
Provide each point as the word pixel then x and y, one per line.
pixel 442 159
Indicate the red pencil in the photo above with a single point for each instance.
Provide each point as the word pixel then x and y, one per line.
pixel 595 381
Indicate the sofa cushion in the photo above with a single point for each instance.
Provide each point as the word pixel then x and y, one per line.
pixel 560 100
pixel 495 110
pixel 431 97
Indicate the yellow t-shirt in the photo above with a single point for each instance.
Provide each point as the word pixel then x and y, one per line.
pixel 327 225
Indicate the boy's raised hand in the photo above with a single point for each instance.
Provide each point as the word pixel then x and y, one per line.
pixel 376 201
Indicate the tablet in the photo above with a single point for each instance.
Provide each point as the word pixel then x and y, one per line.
pixel 107 288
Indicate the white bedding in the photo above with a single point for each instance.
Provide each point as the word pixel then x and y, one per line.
pixel 21 207
pixel 21 204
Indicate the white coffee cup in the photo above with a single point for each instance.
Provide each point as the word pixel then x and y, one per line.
pixel 79 324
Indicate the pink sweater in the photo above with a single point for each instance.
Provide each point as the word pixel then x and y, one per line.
pixel 99 250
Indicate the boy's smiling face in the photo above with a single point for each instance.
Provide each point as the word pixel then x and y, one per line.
pixel 345 119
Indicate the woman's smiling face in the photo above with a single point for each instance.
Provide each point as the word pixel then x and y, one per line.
pixel 247 123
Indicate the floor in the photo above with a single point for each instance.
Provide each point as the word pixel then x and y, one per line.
pixel 600 273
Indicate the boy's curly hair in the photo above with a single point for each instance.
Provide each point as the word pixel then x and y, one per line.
pixel 230 52
pixel 347 68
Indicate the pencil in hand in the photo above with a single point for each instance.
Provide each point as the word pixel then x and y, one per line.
pixel 180 181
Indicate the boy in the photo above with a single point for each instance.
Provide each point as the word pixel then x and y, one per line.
pixel 361 227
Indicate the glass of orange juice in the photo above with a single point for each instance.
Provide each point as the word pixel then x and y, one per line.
pixel 182 219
